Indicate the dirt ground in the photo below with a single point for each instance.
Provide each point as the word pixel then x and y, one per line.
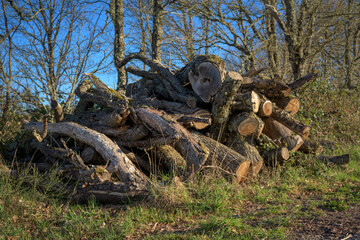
pixel 331 225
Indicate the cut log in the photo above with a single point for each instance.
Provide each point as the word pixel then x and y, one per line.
pixel 221 106
pixel 337 160
pixel 172 159
pixel 200 119
pixel 240 145
pixel 297 84
pixel 290 104
pixel 249 101
pixel 244 123
pixel 275 157
pixel 280 90
pixel 282 135
pixel 311 147
pixel 119 162
pixel 187 145
pixel 266 106
pixel 286 119
pixel 227 159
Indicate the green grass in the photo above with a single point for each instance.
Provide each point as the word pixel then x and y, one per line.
pixel 32 205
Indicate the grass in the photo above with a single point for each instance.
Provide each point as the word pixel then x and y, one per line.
pixel 208 208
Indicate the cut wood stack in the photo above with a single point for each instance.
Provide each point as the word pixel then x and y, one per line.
pixel 200 117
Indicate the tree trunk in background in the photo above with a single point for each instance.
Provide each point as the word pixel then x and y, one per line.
pixel 272 46
pixel 117 15
pixel 157 31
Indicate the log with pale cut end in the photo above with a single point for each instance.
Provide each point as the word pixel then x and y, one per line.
pixel 290 104
pixel 286 119
pixel 249 101
pixel 227 159
pixel 244 123
pixel 282 135
pixel 240 145
pixel 311 147
pixel 119 162
pixel 266 106
pixel 275 157
pixel 200 119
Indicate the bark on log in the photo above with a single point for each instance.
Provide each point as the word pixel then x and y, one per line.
pixel 249 101
pixel 240 145
pixel 253 72
pixel 297 84
pixel 222 103
pixel 172 159
pixel 120 163
pixel 280 90
pixel 282 135
pixel 90 156
pixel 198 120
pixel 227 159
pixel 189 147
pixel 275 157
pixel 337 160
pixel 311 147
pixel 244 123
pixel 290 104
pixel 286 119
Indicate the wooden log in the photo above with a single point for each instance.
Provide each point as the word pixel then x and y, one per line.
pixel 297 84
pixel 169 157
pixel 282 135
pixel 259 84
pixel 279 90
pixel 119 162
pixel 198 120
pixel 233 163
pixel 311 147
pixel 249 101
pixel 170 82
pixel 286 119
pixel 253 72
pixel 244 123
pixel 290 104
pixel 221 106
pixel 90 156
pixel 275 157
pixel 194 152
pixel 108 192
pixel 266 106
pixel 242 146
pixel 337 160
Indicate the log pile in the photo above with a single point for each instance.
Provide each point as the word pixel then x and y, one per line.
pixel 182 122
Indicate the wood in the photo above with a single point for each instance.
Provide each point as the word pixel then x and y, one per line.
pixel 249 101
pixel 244 123
pixel 254 72
pixel 233 163
pixel 90 156
pixel 240 145
pixel 311 147
pixel 290 104
pixel 279 90
pixel 198 120
pixel 187 145
pixel 282 135
pixel 286 119
pixel 172 159
pixel 297 84
pixel 221 107
pixel 119 162
pixel 337 160
pixel 275 157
